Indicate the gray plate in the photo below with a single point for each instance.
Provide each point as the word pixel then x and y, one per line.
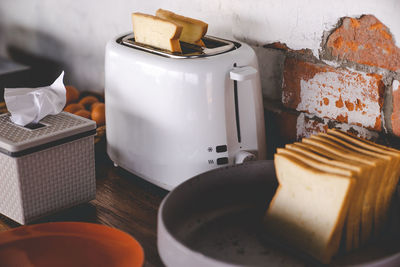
pixel 215 219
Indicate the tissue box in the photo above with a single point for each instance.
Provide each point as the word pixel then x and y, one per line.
pixel 45 167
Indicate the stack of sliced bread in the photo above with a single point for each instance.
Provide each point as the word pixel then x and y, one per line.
pixel 332 187
pixel 166 29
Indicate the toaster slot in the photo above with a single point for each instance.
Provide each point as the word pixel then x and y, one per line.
pixel 212 43
pixel 214 46
pixel 188 49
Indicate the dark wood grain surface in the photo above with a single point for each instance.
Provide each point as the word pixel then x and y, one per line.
pixel 123 201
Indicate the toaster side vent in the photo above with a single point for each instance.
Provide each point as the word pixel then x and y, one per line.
pixel 236 99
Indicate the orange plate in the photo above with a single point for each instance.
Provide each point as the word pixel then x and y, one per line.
pixel 69 244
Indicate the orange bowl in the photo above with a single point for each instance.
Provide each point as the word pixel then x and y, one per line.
pixel 69 244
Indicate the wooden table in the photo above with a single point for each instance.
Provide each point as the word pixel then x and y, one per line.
pixel 123 201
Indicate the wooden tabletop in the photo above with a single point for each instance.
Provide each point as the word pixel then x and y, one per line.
pixel 123 201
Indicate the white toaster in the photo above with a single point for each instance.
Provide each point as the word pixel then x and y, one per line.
pixel 172 116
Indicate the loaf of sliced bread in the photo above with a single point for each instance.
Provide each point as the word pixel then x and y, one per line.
pixel 388 181
pixel 193 29
pixel 309 207
pixel 310 173
pixel 156 32
pixel 388 166
pixel 353 220
pixel 370 193
pixel 364 201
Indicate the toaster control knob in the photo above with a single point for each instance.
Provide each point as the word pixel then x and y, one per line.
pixel 244 156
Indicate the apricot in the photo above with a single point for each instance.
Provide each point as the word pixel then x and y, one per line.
pixel 83 113
pixel 98 114
pixel 72 94
pixel 87 101
pixel 74 107
pixel 95 104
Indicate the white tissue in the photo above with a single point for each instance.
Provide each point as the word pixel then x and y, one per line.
pixel 28 105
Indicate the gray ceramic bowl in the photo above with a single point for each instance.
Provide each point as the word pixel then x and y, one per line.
pixel 214 219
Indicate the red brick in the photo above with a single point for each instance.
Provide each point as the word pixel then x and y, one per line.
pixel 337 94
pixel 365 41
pixel 284 47
pixel 278 45
pixel 396 107
pixel 309 124
pixel 286 122
pixel 291 127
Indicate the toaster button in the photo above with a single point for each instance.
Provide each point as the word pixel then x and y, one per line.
pixel 221 161
pixel 222 148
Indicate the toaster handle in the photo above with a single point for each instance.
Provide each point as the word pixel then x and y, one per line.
pixel 243 73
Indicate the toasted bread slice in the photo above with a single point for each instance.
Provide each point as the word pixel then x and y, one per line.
pixel 193 29
pixel 388 182
pixel 353 220
pixel 309 207
pixel 156 32
pixel 375 168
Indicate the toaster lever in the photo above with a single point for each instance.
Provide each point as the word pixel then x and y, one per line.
pixel 242 73
pixel 244 156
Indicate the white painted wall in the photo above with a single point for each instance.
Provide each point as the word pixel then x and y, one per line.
pixel 300 23
pixel 75 32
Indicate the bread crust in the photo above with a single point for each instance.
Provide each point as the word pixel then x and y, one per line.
pixel 168 15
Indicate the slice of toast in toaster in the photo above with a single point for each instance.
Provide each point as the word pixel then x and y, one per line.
pixel 156 32
pixel 193 29
pixel 309 207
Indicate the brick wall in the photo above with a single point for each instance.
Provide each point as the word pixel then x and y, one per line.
pixel 353 85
